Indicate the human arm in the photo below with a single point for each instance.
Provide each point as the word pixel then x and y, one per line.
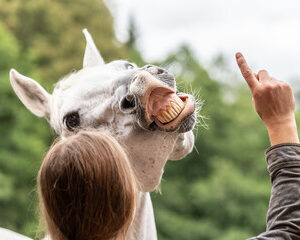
pixel 274 102
pixel 283 218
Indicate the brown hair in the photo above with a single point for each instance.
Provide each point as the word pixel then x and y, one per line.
pixel 87 188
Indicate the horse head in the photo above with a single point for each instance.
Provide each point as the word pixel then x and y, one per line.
pixel 140 106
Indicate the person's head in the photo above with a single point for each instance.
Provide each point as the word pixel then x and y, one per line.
pixel 87 188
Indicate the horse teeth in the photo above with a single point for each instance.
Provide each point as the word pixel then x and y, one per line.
pixel 179 102
pixel 166 115
pixel 176 107
pixel 161 118
pixel 172 111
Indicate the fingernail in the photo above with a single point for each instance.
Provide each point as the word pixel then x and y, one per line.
pixel 238 54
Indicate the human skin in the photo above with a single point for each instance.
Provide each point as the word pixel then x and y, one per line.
pixel 274 102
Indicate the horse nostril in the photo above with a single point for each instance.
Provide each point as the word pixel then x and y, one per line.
pixel 127 104
pixel 154 70
pixel 160 71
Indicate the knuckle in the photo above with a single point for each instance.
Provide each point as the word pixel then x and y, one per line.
pixel 247 73
pixel 263 71
pixel 286 85
pixel 240 61
pixel 269 87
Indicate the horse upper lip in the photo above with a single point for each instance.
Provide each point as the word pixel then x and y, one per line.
pixel 156 99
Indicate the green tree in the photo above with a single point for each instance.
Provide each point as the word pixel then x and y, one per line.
pixel 51 31
pixel 22 144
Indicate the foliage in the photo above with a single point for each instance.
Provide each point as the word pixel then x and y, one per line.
pixel 220 191
pixel 22 144
pixel 51 31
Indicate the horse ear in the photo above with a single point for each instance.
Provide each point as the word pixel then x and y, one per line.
pixel 92 56
pixel 31 94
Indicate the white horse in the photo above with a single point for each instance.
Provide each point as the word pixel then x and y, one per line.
pixel 139 106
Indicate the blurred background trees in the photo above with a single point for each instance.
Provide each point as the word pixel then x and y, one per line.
pixel 51 31
pixel 220 191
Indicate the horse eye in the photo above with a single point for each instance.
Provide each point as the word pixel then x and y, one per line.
pixel 72 120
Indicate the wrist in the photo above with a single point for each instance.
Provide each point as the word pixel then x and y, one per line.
pixel 283 132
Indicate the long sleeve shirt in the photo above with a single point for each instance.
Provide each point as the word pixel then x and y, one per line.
pixel 283 218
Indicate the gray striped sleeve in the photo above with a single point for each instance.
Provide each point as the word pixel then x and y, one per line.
pixel 283 218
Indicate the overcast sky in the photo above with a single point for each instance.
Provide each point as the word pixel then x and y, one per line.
pixel 267 32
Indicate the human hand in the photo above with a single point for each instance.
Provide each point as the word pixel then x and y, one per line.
pixel 274 102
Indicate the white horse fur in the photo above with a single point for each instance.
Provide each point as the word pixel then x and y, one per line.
pixel 113 98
